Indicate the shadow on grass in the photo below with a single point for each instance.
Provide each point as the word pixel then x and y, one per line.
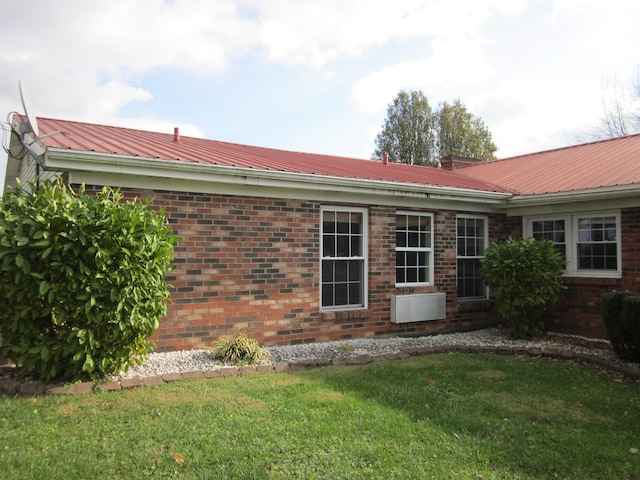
pixel 533 417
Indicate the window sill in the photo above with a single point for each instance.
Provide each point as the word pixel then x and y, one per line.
pixel 345 314
pixel 595 275
pixel 474 305
pixel 608 281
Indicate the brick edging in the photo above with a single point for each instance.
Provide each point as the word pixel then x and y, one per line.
pixel 10 386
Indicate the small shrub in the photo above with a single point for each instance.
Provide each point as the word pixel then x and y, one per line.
pixel 82 280
pixel 525 275
pixel 348 348
pixel 240 350
pixel 621 318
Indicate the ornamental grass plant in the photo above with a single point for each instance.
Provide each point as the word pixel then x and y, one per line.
pixel 239 350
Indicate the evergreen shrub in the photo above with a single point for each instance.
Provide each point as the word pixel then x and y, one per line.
pixel 82 280
pixel 525 275
pixel 621 318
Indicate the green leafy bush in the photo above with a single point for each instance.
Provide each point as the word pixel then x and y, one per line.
pixel 240 350
pixel 82 280
pixel 621 318
pixel 525 275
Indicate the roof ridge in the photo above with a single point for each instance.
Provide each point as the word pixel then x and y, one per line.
pixel 460 171
pixel 566 147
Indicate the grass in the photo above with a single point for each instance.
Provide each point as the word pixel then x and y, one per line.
pixel 451 416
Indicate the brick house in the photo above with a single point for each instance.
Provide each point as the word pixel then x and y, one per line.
pixel 295 247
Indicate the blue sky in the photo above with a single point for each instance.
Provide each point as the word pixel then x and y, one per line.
pixel 317 76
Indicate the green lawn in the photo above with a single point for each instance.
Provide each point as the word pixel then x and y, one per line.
pixel 450 416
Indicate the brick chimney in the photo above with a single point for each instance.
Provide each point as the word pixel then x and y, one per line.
pixel 453 162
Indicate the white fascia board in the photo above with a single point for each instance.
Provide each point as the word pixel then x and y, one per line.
pixel 173 175
pixel 621 196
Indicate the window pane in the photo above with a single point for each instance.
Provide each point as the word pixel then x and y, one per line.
pixel 328 222
pixel 355 297
pixel 355 271
pixel 476 247
pixel 328 298
pixel 413 223
pixel 343 245
pixel 413 239
pixel 356 242
pixel 327 271
pixel 412 275
pixel 356 222
pixel 328 246
pixel 610 230
pixel 563 250
pixel 340 271
pixel 341 294
pixel 423 275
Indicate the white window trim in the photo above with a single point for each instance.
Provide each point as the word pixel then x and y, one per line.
pixel 429 250
pixel 364 257
pixel 486 245
pixel 571 241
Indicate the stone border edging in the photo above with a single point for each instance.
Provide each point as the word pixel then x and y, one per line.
pixel 12 386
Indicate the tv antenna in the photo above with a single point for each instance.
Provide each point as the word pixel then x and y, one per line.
pixel 32 121
pixel 28 132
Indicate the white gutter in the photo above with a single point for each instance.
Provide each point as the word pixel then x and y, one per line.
pixel 591 194
pixel 64 160
pixel 621 196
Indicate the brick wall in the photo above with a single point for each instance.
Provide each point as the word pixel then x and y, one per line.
pixel 252 264
pixel 579 308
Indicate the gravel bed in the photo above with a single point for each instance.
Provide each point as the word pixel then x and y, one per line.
pixel 200 360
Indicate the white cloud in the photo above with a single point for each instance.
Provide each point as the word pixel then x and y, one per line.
pixel 455 63
pixel 90 60
pixel 315 33
pixel 75 52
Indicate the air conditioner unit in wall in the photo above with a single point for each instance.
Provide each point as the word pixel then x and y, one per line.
pixel 418 308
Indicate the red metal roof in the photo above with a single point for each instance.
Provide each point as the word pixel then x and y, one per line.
pixel 606 163
pixel 87 137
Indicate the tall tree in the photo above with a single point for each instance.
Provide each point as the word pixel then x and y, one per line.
pixel 409 132
pixel 414 133
pixel 620 114
pixel 462 133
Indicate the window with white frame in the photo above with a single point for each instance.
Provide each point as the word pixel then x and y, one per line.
pixel 414 248
pixel 344 258
pixel 472 238
pixel 591 241
pixel 553 230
